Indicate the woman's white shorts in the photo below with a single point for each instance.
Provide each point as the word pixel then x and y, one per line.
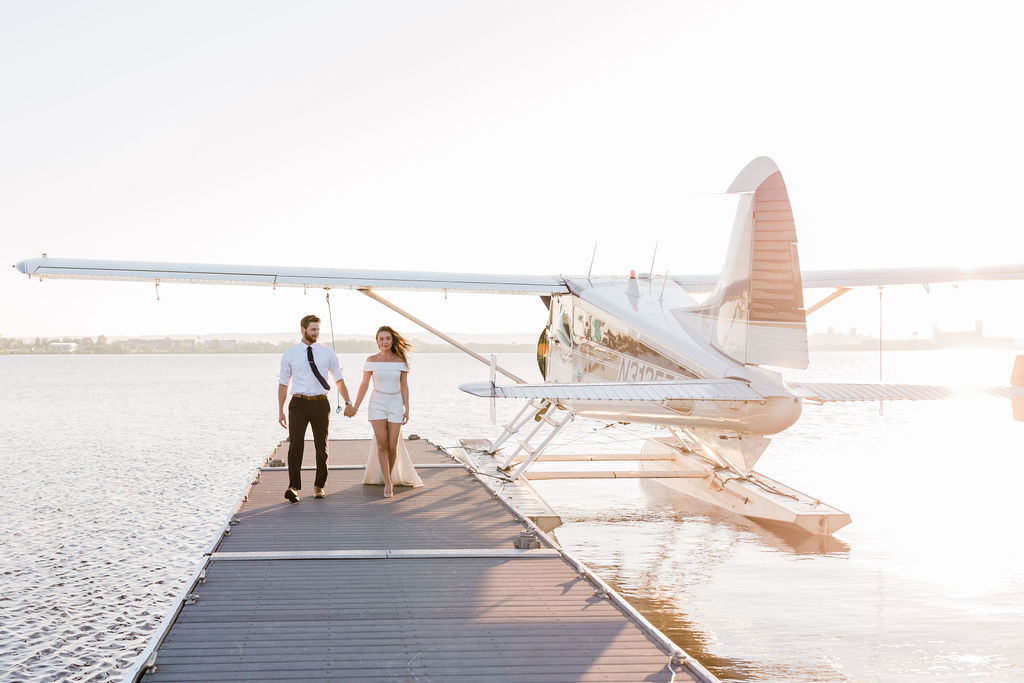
pixel 385 407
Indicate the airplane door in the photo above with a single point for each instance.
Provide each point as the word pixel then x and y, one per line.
pixel 560 337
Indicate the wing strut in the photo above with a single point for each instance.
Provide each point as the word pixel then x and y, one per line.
pixel 828 299
pixel 462 347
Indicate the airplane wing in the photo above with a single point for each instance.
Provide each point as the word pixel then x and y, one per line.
pixel 698 389
pixel 282 276
pixel 875 277
pixel 278 276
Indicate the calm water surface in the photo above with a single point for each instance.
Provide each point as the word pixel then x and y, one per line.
pixel 119 471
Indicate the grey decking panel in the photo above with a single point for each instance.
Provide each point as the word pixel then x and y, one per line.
pixel 355 451
pixel 451 510
pixel 406 618
pixel 474 619
pixel 521 673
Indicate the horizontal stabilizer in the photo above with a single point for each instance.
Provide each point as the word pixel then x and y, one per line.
pixel 824 392
pixel 284 276
pixel 703 390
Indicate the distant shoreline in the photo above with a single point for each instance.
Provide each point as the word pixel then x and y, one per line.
pixel 88 346
pixel 917 345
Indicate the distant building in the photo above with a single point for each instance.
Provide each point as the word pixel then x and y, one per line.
pixel 838 341
pixel 940 339
pixel 947 338
pixel 63 347
pixel 152 344
pixel 221 343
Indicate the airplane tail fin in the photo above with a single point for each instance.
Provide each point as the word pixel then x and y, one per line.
pixel 755 314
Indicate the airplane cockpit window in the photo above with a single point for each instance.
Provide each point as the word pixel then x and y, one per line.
pixel 595 330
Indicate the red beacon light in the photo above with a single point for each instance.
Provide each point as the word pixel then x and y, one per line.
pixel 632 286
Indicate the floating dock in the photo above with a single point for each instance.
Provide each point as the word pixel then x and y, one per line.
pixel 448 581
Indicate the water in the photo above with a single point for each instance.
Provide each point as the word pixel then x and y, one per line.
pixel 119 471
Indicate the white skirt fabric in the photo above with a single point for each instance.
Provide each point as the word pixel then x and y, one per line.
pixel 402 474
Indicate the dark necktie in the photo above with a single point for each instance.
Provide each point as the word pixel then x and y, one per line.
pixel 312 366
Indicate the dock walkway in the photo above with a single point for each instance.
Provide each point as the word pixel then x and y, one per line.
pixel 426 585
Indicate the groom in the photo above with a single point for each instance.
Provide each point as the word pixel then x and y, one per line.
pixel 306 366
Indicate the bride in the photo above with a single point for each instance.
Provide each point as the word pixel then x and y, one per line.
pixel 388 409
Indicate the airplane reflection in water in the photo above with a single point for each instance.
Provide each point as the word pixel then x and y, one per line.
pixel 660 550
pixel 646 351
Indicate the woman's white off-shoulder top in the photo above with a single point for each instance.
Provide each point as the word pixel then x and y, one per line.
pixel 387 375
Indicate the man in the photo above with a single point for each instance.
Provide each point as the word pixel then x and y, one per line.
pixel 306 365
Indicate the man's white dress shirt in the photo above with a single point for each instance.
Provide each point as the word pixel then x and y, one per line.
pixel 295 368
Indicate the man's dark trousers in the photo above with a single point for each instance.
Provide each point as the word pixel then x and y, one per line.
pixel 316 413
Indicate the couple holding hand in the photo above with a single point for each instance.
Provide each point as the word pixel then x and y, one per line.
pixel 306 366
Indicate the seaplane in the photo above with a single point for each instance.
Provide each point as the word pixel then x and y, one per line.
pixel 643 349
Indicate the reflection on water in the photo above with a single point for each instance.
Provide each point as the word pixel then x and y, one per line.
pixel 125 466
pixel 924 584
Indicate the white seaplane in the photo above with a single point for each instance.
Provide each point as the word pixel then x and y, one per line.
pixel 618 351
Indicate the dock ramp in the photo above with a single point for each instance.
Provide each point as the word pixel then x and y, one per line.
pixel 442 582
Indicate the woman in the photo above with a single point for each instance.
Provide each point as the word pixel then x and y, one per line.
pixel 389 462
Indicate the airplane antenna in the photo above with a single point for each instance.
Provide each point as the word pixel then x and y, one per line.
pixel 650 272
pixel 592 256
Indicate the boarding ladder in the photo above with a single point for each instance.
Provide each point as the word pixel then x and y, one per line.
pixel 540 411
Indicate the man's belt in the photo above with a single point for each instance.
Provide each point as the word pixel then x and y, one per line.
pixel 311 398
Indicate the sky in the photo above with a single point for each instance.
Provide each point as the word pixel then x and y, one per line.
pixel 498 137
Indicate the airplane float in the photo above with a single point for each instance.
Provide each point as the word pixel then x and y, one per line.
pixel 644 350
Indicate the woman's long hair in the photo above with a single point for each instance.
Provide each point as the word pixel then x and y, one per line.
pixel 400 346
